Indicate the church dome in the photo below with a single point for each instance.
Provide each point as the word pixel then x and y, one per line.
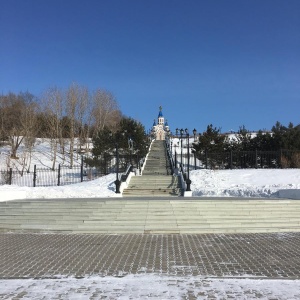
pixel 160 114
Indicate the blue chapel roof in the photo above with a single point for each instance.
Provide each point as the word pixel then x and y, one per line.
pixel 160 114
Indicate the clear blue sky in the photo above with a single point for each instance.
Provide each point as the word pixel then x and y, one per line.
pixel 225 62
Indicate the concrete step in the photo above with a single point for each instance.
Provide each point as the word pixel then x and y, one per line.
pixel 189 208
pixel 192 210
pixel 148 193
pixel 151 216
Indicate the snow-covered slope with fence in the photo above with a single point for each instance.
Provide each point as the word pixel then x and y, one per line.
pixel 221 183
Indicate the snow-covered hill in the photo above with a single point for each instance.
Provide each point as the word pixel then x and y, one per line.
pixel 220 183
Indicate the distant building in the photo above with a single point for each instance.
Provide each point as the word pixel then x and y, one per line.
pixel 160 128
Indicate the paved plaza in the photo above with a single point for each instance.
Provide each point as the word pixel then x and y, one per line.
pixel 47 255
pixel 193 258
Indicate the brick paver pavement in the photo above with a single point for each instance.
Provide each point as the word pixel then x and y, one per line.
pixel 232 255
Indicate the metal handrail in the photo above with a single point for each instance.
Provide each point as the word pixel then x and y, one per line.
pixel 170 157
pixel 126 173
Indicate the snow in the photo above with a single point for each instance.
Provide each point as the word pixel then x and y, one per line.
pixel 151 286
pixel 102 187
pixel 246 183
pixel 262 183
pixel 41 156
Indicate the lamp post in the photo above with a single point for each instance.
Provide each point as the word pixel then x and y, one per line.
pixel 130 146
pixel 181 134
pixel 175 146
pixel 194 133
pixel 168 138
pixel 187 135
pixel 117 182
pixel 188 181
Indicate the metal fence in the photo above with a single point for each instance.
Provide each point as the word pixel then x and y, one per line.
pixel 241 159
pixel 64 175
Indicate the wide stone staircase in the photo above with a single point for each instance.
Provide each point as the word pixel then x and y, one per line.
pixel 157 216
pixel 156 179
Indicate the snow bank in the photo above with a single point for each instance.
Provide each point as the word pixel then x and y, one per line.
pixel 99 188
pixel 11 193
pixel 244 183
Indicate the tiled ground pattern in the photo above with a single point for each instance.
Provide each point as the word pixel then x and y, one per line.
pixel 50 255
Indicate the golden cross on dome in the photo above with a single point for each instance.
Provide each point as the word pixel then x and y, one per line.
pixel 160 108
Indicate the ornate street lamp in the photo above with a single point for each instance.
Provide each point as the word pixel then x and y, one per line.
pixel 130 146
pixel 181 134
pixel 175 146
pixel 188 181
pixel 194 133
pixel 168 139
pixel 194 150
pixel 117 182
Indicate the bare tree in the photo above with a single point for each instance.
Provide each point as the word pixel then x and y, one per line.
pixel 18 119
pixel 53 105
pixel 83 102
pixel 105 110
pixel 30 132
pixel 74 93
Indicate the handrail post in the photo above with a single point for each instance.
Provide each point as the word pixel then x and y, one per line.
pixel 117 182
pixel 58 176
pixel 81 169
pixel 34 176
pixel 10 176
pixel 188 181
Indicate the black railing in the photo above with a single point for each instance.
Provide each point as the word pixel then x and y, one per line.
pixel 125 175
pixel 171 164
pixel 64 175
pixel 242 159
pixel 61 175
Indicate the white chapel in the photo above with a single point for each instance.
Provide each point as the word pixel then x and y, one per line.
pixel 160 128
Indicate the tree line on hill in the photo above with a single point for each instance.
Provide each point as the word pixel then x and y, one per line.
pixel 67 118
pixel 280 138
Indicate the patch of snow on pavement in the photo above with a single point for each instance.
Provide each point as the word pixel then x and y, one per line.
pixel 150 286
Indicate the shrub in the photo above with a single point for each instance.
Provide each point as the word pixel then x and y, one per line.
pixel 295 160
pixel 285 162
